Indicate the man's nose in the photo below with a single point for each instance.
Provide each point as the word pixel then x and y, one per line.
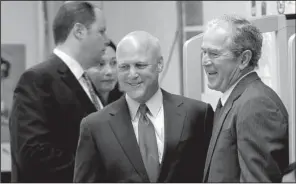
pixel 108 70
pixel 106 39
pixel 205 60
pixel 133 72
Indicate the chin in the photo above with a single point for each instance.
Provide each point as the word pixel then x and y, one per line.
pixel 213 87
pixel 106 89
pixel 136 95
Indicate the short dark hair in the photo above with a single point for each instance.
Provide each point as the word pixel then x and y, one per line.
pixel 68 15
pixel 6 72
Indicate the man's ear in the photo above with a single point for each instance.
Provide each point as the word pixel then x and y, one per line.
pixel 245 59
pixel 160 64
pixel 79 31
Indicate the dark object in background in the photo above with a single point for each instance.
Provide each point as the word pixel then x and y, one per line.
pixel 5 68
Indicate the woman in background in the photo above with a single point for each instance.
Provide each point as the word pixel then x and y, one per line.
pixel 104 76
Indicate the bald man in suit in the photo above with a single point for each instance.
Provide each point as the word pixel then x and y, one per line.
pixel 148 135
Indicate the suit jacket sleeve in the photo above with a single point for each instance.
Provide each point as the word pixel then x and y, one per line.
pixel 31 136
pixel 262 139
pixel 88 167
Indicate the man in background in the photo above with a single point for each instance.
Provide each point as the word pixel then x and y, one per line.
pixel 52 97
pixel 250 132
pixel 148 135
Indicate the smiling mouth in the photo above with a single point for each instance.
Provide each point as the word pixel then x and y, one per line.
pixel 110 80
pixel 212 73
pixel 135 84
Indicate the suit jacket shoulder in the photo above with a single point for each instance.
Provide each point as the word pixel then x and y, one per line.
pixel 258 94
pixel 188 103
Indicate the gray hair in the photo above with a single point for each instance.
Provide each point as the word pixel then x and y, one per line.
pixel 245 36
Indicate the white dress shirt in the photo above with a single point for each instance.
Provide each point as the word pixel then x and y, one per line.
pixel 227 93
pixel 155 106
pixel 77 71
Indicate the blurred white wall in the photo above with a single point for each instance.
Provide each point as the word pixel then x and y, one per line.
pixel 19 25
pixel 213 9
pixel 156 17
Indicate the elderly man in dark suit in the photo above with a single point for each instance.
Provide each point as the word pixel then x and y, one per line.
pixel 52 97
pixel 250 134
pixel 148 135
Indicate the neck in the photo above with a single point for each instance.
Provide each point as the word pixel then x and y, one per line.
pixel 72 51
pixel 104 97
pixel 238 77
pixel 151 94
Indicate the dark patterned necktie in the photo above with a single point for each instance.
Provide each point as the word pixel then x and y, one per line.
pixel 91 91
pixel 148 144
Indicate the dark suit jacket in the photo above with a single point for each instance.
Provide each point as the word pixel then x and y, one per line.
pixel 250 138
pixel 48 106
pixel 108 150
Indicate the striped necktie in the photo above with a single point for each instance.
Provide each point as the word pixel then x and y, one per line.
pixel 148 144
pixel 91 91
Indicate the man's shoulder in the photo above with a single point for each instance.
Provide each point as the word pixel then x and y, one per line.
pixel 101 116
pixel 188 102
pixel 47 65
pixel 43 71
pixel 259 91
pixel 260 96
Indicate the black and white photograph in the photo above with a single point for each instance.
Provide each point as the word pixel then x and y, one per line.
pixel 148 92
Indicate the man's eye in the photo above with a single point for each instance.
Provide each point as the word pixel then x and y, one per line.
pixel 113 63
pixel 122 67
pixel 141 66
pixel 101 64
pixel 213 54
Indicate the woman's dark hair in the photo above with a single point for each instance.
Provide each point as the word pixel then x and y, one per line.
pixel 6 72
pixel 115 93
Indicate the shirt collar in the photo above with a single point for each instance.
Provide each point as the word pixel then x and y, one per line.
pixel 154 104
pixel 227 93
pixel 73 65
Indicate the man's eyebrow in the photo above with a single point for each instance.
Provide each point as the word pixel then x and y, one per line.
pixel 211 49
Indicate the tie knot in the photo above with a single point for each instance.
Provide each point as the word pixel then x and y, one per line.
pixel 143 109
pixel 219 105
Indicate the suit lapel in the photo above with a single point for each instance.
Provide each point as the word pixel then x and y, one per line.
pixel 237 91
pixel 173 122
pixel 69 79
pixel 215 135
pixel 121 125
